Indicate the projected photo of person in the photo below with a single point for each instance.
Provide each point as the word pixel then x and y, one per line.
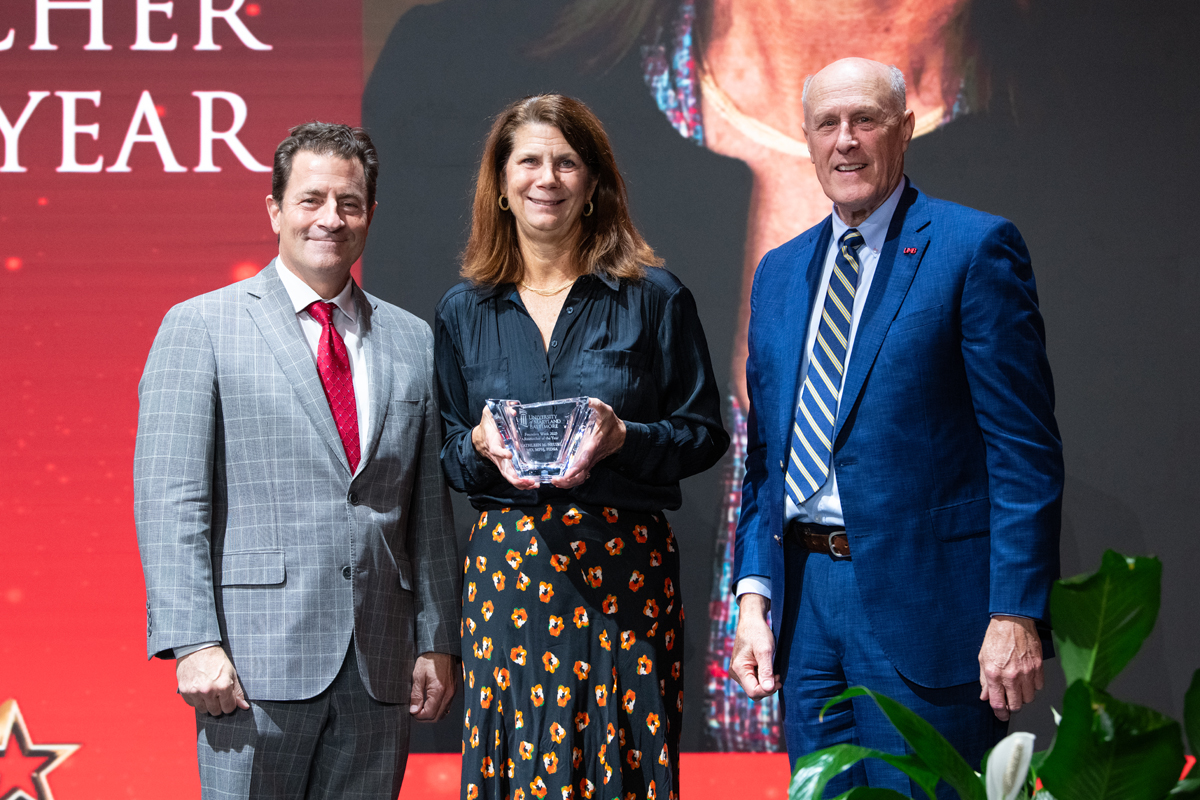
pixel 702 102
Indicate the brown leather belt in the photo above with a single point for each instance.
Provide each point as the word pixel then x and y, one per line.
pixel 825 539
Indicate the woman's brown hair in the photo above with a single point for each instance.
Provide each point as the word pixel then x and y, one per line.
pixel 609 243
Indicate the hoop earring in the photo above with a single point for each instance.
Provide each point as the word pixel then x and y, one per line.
pixel 502 201
pixel 590 208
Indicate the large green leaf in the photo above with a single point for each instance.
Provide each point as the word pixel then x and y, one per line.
pixel 1186 790
pixel 814 770
pixel 1101 620
pixel 926 743
pixel 1109 750
pixel 1191 714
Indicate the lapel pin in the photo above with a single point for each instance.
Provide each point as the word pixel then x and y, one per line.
pixel 910 251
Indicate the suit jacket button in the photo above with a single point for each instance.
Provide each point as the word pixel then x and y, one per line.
pixel 347 573
pixel 781 467
pixel 353 498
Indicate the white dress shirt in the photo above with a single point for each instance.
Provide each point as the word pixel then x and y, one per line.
pixel 345 322
pixel 825 506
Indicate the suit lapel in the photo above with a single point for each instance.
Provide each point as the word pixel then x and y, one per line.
pixel 272 312
pixel 893 275
pixel 379 370
pixel 805 282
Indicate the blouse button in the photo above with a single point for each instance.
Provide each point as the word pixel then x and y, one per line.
pixel 554 342
pixel 570 310
pixel 543 379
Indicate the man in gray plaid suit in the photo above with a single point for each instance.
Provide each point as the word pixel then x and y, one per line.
pixel 294 528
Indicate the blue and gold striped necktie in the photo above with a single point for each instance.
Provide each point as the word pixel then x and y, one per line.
pixel 812 432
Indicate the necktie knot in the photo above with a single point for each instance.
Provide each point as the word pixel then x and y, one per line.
pixel 852 239
pixel 321 312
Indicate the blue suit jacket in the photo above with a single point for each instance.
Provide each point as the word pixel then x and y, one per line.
pixel 948 458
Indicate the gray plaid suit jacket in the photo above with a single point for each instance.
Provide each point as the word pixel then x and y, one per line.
pixel 252 529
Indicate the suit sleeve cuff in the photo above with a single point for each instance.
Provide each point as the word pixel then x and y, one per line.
pixel 754 584
pixel 187 650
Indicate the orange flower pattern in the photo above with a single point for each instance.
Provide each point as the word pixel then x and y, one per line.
pixel 615 578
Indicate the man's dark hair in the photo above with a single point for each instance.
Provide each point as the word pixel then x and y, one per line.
pixel 326 139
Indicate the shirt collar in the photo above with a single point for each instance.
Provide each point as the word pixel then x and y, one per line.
pixel 302 295
pixel 875 227
pixel 509 290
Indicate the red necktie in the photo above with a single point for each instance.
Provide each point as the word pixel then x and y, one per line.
pixel 333 362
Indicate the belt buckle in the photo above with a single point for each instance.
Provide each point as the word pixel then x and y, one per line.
pixel 829 544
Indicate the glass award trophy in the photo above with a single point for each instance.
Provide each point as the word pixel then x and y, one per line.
pixel 542 437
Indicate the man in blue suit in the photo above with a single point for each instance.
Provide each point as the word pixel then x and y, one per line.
pixel 901 505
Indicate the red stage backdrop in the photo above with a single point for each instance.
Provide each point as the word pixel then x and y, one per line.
pixel 138 139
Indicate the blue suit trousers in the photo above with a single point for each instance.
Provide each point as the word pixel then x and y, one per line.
pixel 831 647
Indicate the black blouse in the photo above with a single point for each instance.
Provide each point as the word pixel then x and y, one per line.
pixel 636 345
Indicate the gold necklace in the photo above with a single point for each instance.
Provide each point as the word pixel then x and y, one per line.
pixel 545 293
pixel 770 137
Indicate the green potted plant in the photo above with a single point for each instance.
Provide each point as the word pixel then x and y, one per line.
pixel 1104 749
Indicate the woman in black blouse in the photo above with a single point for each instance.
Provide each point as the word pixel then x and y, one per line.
pixel 572 622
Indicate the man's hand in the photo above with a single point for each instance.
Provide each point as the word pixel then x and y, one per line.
pixel 209 683
pixel 433 684
pixel 1010 664
pixel 753 658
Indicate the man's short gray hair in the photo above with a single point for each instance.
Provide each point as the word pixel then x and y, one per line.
pixel 899 89
pixel 898 95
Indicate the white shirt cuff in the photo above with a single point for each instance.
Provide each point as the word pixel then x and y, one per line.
pixel 187 650
pixel 754 584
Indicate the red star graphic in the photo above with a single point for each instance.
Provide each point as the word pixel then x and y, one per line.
pixel 23 764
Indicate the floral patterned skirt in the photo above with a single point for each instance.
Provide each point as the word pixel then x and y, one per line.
pixel 572 656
